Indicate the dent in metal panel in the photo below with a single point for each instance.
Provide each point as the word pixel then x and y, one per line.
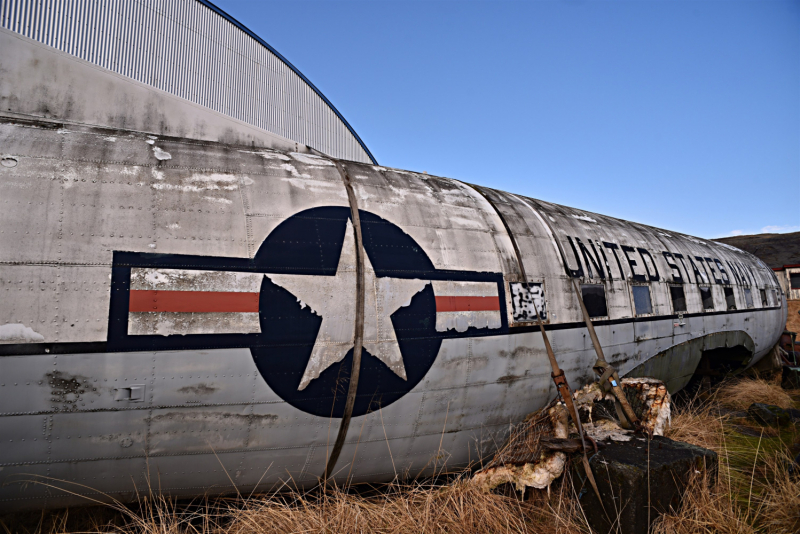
pixel 194 474
pixel 181 430
pixel 206 377
pixel 99 435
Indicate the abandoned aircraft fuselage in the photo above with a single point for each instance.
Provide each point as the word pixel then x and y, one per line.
pixel 182 314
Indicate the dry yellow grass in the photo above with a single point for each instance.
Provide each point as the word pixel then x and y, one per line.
pixel 779 502
pixel 706 510
pixel 753 494
pixel 753 491
pixel 740 394
pixel 698 424
pixel 455 508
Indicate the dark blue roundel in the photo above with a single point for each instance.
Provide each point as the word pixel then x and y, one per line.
pixel 310 243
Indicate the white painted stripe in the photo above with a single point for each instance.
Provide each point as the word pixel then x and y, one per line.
pixel 192 280
pixel 449 288
pixel 180 323
pixel 461 321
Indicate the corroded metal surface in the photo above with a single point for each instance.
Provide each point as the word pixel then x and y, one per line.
pixel 95 222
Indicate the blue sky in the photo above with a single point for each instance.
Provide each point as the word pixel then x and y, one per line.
pixel 682 115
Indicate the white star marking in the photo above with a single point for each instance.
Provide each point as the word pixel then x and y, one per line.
pixel 333 298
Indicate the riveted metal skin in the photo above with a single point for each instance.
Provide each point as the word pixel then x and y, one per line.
pixel 211 403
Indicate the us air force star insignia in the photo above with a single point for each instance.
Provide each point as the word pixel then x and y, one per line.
pixel 333 298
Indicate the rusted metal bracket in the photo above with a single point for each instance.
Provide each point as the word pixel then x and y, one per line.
pixel 557 373
pixel 607 374
pixel 358 334
pixel 601 366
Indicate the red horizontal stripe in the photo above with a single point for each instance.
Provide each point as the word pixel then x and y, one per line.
pixel 456 304
pixel 142 300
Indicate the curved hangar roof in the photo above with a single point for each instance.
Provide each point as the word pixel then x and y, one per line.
pixel 196 51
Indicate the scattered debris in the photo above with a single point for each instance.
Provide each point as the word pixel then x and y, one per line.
pixel 601 415
pixel 525 461
pixel 535 453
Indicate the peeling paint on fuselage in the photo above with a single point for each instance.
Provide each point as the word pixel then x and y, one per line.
pixel 86 216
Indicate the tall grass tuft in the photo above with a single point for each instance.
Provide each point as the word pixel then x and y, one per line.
pixel 740 394
pixel 459 507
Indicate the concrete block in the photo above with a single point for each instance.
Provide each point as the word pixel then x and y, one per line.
pixel 621 471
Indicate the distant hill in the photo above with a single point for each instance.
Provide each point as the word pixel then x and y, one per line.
pixel 776 250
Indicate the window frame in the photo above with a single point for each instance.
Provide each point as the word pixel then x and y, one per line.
pixel 727 291
pixel 649 297
pixel 703 301
pixel 792 278
pixel 605 299
pixel 748 299
pixel 672 298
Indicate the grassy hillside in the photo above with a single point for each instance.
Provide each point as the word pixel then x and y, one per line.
pixel 776 250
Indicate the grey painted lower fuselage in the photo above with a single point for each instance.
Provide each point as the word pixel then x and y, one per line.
pixel 105 397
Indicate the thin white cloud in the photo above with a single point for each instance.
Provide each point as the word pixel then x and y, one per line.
pixel 780 229
pixel 771 229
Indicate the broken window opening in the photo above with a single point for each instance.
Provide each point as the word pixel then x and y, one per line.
pixel 730 299
pixel 748 298
pixel 641 300
pixel 794 280
pixel 707 298
pixel 594 298
pixel 678 298
pixel 764 303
